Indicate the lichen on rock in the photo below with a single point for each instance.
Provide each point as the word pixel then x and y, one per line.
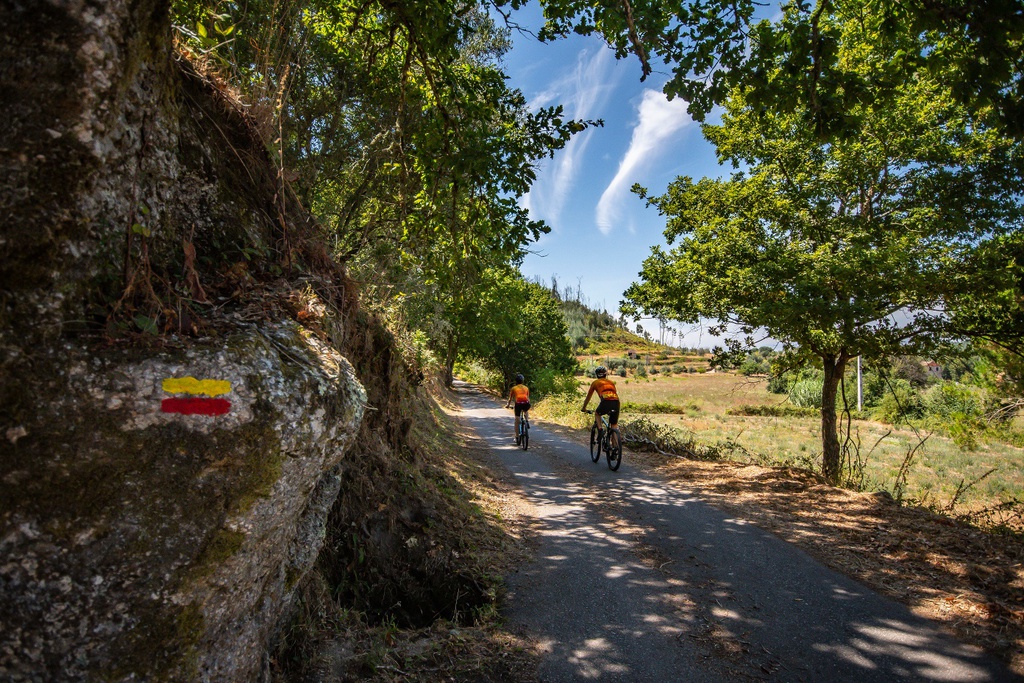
pixel 125 515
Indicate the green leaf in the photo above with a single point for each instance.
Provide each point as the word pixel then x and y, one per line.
pixel 146 324
pixel 200 29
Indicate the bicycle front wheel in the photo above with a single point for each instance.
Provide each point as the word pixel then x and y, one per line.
pixel 614 450
pixel 595 445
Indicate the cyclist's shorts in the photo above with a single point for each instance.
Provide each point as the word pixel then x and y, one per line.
pixel 609 408
pixel 521 407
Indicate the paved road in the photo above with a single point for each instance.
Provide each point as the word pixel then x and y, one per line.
pixel 635 580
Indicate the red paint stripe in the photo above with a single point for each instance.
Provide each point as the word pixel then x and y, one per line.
pixel 196 406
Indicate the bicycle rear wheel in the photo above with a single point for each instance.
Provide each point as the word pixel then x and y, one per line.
pixel 525 436
pixel 614 452
pixel 595 445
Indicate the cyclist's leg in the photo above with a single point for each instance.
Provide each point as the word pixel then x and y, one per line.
pixel 613 414
pixel 602 409
pixel 521 410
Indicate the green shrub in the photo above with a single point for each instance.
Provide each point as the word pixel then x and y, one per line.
pixel 964 430
pixel 549 381
pixel 781 383
pixel 420 343
pixel 949 398
pixel 874 389
pixel 656 407
pixel 752 366
pixel 900 402
pixel 806 393
pixel 774 411
pixel 563 409
pixel 475 373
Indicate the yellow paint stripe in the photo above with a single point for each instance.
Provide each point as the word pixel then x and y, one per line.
pixel 191 385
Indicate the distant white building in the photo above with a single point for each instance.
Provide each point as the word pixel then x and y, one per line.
pixel 933 369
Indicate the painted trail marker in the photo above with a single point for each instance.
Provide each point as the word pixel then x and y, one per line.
pixel 199 399
pixel 191 385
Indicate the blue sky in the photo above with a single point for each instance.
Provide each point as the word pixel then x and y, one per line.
pixel 600 231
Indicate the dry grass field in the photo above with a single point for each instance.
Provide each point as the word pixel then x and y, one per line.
pixel 938 470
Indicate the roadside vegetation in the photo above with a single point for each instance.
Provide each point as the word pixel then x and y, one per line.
pixel 946 456
pixel 875 186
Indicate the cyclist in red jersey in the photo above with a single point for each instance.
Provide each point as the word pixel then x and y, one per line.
pixel 520 395
pixel 609 405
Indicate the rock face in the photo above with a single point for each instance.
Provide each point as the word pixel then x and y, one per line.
pixel 142 543
pixel 159 499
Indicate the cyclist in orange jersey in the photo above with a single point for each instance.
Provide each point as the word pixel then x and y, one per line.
pixel 609 405
pixel 520 395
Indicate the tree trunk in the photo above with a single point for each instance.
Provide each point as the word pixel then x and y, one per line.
pixel 831 462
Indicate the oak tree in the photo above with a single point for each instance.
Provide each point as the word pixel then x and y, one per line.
pixel 851 247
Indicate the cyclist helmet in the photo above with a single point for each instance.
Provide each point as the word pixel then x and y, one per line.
pixel 519 379
pixel 601 371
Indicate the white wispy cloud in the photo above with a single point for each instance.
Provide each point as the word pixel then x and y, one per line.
pixel 583 91
pixel 658 120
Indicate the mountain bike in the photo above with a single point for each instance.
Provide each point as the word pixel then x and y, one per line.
pixel 523 434
pixel 607 439
pixel 523 438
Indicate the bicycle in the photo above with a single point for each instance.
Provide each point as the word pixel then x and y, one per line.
pixel 608 439
pixel 523 435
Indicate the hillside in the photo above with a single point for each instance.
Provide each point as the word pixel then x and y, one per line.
pixel 599 338
pixel 597 332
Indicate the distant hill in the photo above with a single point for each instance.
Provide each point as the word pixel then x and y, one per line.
pixel 598 333
pixel 589 329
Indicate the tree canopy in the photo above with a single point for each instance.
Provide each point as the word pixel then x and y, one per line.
pixel 393 122
pixel 879 138
pixel 855 246
pixel 714 46
pixel 515 326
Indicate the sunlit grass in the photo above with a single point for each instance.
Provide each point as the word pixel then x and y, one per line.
pixel 939 467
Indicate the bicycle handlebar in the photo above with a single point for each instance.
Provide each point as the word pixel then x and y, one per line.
pixel 584 410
